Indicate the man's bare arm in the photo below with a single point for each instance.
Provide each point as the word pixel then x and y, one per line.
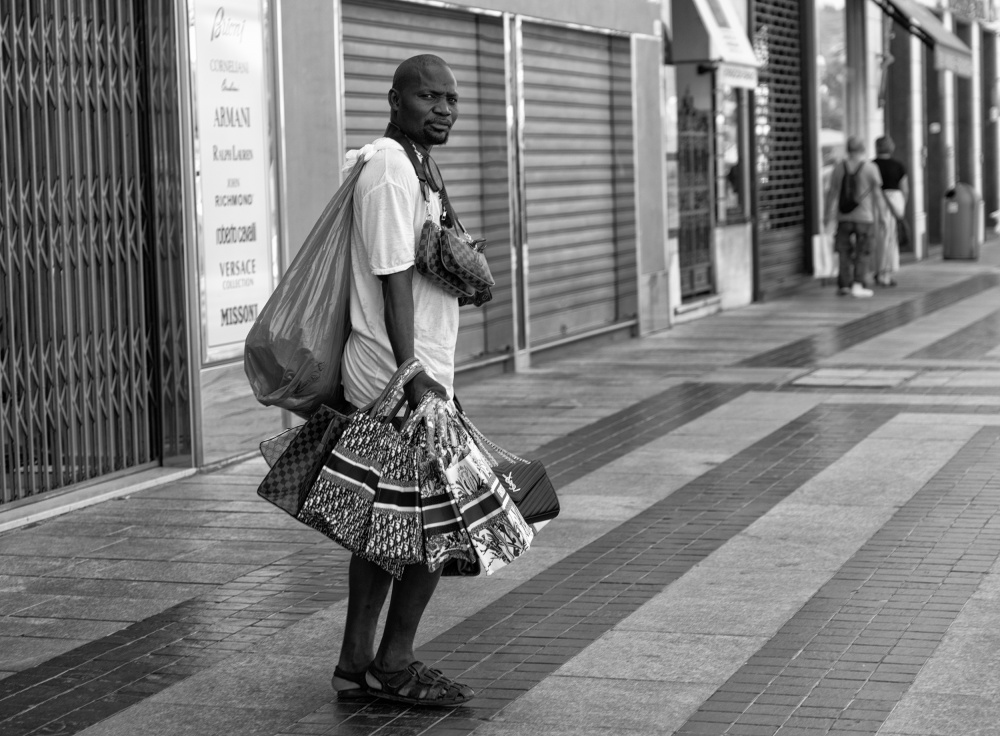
pixel 397 293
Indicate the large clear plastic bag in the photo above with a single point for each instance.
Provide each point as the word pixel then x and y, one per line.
pixel 292 352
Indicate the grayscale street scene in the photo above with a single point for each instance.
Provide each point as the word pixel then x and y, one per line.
pixel 411 368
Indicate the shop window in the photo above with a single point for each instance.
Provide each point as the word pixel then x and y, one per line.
pixel 732 152
pixel 832 73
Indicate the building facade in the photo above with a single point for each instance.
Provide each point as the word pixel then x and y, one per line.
pixel 162 162
pixel 632 164
pixel 740 131
pixel 95 367
pixel 923 72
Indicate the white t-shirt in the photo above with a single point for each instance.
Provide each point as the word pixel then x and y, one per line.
pixel 389 213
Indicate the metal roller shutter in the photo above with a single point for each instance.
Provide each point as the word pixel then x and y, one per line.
pixel 780 155
pixel 579 205
pixel 377 36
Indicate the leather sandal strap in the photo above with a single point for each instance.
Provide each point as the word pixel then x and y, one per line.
pixel 420 682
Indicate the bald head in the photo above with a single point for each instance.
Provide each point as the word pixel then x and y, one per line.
pixel 423 101
pixel 413 69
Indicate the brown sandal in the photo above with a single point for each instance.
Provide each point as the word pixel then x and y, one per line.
pixel 418 684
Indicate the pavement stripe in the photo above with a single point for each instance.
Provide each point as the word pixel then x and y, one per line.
pixel 899 345
pixel 685 643
pixel 843 662
pixel 109 675
pixel 592 447
pixel 956 692
pixel 974 342
pixel 520 639
pixel 68 693
pixel 75 690
pixel 810 350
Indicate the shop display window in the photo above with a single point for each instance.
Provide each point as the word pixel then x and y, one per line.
pixel 732 151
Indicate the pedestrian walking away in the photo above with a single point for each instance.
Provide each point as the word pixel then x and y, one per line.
pixel 893 227
pixel 854 206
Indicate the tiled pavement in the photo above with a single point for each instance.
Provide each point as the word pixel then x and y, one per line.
pixel 777 520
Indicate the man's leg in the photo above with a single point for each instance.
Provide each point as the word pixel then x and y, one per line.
pixel 842 244
pixel 368 587
pixel 396 674
pixel 863 254
pixel 410 597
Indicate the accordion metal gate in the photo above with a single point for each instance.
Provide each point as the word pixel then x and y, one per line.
pixel 92 330
pixel 781 160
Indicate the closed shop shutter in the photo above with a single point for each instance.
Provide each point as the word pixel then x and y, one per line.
pixel 991 162
pixel 780 156
pixel 579 203
pixel 379 35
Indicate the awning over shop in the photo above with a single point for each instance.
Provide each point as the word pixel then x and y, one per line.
pixel 950 53
pixel 723 44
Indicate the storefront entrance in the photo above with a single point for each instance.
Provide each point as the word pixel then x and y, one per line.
pixel 694 128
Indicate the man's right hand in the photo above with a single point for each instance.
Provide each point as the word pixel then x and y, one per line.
pixel 420 385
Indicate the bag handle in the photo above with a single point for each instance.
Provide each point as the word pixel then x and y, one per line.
pixel 485 442
pixel 393 132
pixel 403 375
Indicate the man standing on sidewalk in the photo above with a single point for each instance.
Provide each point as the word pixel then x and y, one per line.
pixel 397 314
pixel 854 203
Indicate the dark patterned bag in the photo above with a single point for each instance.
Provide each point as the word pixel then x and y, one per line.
pixel 463 258
pixel 530 489
pixel 454 264
pixel 430 265
pixel 303 450
pixel 365 496
pixel 526 481
pixel 446 254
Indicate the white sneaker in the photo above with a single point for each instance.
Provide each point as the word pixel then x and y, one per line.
pixel 860 292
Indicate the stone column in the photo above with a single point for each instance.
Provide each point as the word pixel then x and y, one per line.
pixel 948 127
pixel 856 92
pixel 916 162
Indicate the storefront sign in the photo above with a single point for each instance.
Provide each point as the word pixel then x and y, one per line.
pixel 969 10
pixel 728 39
pixel 952 61
pixel 233 171
pixel 737 75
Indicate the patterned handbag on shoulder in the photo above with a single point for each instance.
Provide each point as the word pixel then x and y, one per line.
pixel 429 262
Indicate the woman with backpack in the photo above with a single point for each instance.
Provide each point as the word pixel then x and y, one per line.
pixel 854 202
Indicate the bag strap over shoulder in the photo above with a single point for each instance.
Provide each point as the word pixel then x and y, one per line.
pixel 847 172
pixel 449 217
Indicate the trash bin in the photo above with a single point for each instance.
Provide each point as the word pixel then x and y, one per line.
pixel 958 223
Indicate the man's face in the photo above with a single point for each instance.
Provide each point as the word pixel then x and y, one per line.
pixel 427 107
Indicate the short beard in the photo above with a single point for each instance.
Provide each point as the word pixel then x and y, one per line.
pixel 436 139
